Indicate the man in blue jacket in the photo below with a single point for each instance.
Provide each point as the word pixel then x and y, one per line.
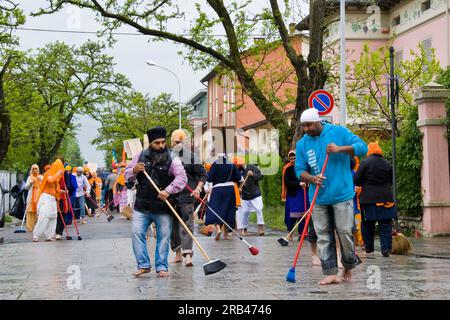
pixel 336 189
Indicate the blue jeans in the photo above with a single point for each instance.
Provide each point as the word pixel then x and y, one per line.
pixel 80 201
pixel 140 224
pixel 326 221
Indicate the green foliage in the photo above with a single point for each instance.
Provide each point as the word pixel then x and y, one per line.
pixel 133 116
pixel 271 188
pixel 273 217
pixel 47 89
pixel 70 149
pixel 367 85
pixel 409 162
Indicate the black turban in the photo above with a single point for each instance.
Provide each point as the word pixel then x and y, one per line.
pixel 156 133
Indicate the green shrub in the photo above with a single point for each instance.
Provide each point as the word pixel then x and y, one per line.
pixel 409 163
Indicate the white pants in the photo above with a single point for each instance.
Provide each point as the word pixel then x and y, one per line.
pixel 131 198
pixel 47 212
pixel 248 206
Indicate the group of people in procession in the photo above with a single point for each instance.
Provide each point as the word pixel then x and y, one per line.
pixel 340 217
pixel 62 193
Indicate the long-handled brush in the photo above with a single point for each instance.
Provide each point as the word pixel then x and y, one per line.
pixel 290 277
pixel 243 183
pixel 68 237
pixel 253 250
pixel 211 266
pixel 21 226
pixel 199 207
pixel 73 216
pixel 284 240
pixel 109 217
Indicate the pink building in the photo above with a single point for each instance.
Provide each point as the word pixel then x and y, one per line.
pixel 229 107
pixel 405 23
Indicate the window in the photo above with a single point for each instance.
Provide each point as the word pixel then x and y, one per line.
pixel 396 21
pixel 426 5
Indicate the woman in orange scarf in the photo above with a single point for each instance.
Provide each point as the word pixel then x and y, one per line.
pixel 120 192
pixel 46 207
pixel 96 184
pixel 33 182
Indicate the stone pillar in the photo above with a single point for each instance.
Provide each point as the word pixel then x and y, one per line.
pixel 431 100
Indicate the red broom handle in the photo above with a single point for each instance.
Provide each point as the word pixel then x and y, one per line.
pixel 313 202
pixel 304 199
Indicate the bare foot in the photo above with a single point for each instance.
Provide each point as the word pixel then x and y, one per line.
pixel 316 261
pixel 163 274
pixel 332 279
pixel 188 262
pixel 178 257
pixel 218 235
pixel 347 275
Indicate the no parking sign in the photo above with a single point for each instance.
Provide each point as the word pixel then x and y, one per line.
pixel 321 100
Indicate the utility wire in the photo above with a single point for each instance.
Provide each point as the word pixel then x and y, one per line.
pixel 114 33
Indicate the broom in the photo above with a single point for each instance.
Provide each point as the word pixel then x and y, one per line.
pixel 290 277
pixel 198 220
pixel 284 240
pixel 21 227
pixel 243 183
pixel 211 266
pixel 253 250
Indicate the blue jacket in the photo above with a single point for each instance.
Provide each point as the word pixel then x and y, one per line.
pixel 311 152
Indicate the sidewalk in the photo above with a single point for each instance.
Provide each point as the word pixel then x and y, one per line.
pixel 105 259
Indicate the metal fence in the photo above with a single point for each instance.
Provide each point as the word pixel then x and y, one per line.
pixel 8 179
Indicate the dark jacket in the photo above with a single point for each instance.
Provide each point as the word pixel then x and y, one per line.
pixel 291 181
pixel 374 175
pixel 157 166
pixel 251 189
pixel 195 173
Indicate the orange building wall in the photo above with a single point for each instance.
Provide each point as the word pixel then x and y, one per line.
pixel 223 94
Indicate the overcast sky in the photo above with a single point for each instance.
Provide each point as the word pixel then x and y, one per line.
pixel 129 52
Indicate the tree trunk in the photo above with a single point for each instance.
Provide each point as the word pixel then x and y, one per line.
pixel 311 74
pixel 5 121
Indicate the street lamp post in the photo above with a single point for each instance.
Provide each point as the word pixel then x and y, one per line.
pixel 154 64
pixel 343 100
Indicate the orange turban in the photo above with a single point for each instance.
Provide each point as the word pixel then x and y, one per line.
pixel 178 134
pixel 238 161
pixel 374 148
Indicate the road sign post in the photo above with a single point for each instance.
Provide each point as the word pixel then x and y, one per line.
pixel 321 100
